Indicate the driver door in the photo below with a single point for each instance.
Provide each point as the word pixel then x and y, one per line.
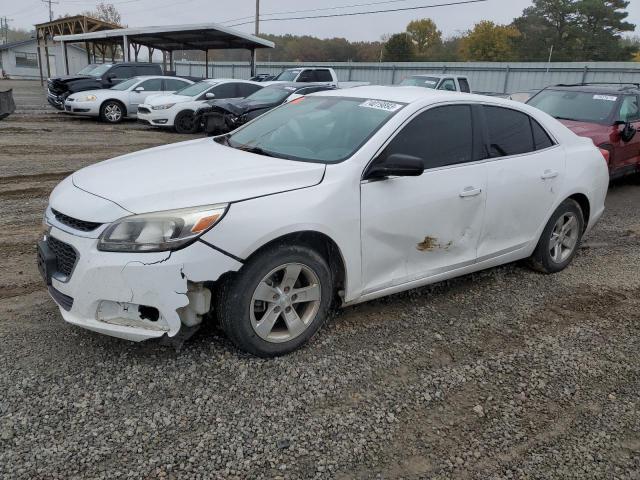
pixel 152 86
pixel 626 155
pixel 418 227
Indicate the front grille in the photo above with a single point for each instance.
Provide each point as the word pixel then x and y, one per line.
pixel 74 223
pixel 65 301
pixel 65 255
pixel 143 110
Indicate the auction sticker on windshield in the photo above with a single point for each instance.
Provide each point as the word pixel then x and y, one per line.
pixel 608 98
pixel 381 105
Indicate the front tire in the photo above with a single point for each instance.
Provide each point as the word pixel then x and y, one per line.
pixel 277 301
pixel 112 111
pixel 560 239
pixel 185 122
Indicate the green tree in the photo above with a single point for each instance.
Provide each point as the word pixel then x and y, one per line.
pixel 489 42
pixel 600 23
pixel 399 48
pixel 425 35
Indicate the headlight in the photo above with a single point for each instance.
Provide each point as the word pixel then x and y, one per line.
pixel 160 231
pixel 163 107
pixel 87 98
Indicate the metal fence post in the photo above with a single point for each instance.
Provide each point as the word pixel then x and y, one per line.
pixel 190 68
pixel 584 73
pixel 350 69
pixel 233 70
pixel 506 79
pixel 393 74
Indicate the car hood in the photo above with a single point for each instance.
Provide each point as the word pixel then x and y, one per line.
pixel 69 78
pixel 198 172
pixel 99 93
pixel 595 131
pixel 241 106
pixel 172 98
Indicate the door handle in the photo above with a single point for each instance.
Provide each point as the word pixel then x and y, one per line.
pixel 547 174
pixel 470 192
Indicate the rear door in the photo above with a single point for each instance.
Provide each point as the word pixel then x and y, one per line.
pixel 524 173
pixel 418 227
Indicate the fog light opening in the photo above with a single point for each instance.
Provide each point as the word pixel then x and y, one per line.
pixel 148 313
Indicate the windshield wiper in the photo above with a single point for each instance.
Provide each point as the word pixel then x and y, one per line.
pixel 256 150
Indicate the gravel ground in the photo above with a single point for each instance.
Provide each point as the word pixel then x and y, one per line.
pixel 498 375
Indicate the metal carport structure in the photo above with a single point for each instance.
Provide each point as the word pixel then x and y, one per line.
pixel 167 38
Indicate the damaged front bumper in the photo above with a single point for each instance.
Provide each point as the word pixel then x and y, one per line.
pixel 135 296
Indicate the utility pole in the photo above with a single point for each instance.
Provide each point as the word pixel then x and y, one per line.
pixel 4 28
pixel 50 9
pixel 257 17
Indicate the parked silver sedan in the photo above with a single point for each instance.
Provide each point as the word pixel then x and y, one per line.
pixel 121 101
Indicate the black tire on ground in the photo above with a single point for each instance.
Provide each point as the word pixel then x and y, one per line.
pixel 543 259
pixel 237 313
pixel 112 111
pixel 185 122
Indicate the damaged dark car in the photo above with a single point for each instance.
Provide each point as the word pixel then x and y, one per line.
pixel 222 116
pixel 95 77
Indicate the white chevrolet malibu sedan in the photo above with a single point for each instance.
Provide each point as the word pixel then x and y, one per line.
pixel 112 105
pixel 330 200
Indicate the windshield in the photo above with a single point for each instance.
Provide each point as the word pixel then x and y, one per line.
pixel 288 75
pixel 573 105
pixel 426 82
pixel 100 69
pixel 87 69
pixel 271 94
pixel 315 129
pixel 195 89
pixel 126 84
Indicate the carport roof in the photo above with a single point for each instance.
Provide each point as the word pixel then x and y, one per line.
pixel 203 36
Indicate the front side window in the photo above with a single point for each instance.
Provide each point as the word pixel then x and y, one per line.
pixel 509 131
pixel 629 111
pixel 440 136
pixel 147 70
pixel 448 84
pixel 225 90
pixel 246 89
pixel 575 105
pixel 315 129
pixel 307 76
pixel 152 85
pixel 123 72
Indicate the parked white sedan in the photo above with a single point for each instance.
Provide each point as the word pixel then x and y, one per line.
pixel 177 110
pixel 121 101
pixel 331 199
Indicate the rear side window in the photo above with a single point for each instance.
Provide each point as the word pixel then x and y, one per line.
pixel 173 84
pixel 440 136
pixel 323 75
pixel 148 70
pixel 246 89
pixel 541 139
pixel 509 131
pixel 306 76
pixel 464 85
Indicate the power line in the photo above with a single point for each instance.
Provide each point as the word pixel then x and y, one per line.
pixel 370 12
pixel 50 9
pixel 336 7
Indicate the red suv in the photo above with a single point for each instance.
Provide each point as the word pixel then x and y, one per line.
pixel 608 114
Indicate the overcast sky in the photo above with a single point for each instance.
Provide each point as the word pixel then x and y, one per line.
pixel 450 19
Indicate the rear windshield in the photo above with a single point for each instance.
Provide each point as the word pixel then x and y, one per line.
pixel 573 105
pixel 195 89
pixel 426 82
pixel 315 129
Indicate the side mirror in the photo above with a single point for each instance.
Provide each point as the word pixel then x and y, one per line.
pixel 628 131
pixel 138 89
pixel 210 96
pixel 396 165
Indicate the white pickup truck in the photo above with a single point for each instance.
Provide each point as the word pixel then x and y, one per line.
pixel 453 83
pixel 320 75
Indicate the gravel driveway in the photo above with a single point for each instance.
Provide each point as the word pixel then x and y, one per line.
pixel 502 374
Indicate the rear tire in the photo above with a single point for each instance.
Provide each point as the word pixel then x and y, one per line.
pixel 277 301
pixel 112 111
pixel 560 239
pixel 185 122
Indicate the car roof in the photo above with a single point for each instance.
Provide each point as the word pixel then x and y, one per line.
pixel 598 88
pixel 227 80
pixel 437 75
pixel 394 93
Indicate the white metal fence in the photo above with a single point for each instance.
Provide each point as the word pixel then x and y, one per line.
pixel 484 76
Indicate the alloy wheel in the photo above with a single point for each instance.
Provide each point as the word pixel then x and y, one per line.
pixel 285 302
pixel 113 112
pixel 564 237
